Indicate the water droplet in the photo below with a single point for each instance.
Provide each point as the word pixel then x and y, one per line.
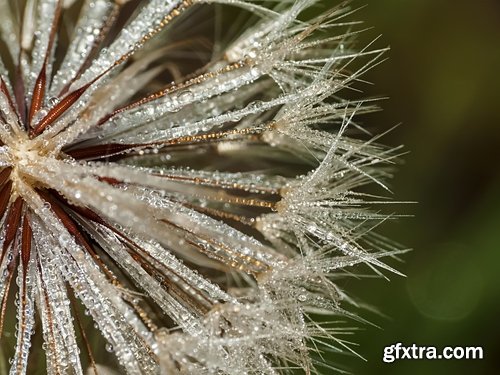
pixel 64 239
pixel 185 97
pixel 53 101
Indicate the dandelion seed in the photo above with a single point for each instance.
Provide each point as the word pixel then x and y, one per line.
pixel 148 185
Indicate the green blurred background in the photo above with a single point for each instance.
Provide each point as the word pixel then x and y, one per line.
pixel 442 78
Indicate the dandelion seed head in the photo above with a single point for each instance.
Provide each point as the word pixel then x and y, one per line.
pixel 181 202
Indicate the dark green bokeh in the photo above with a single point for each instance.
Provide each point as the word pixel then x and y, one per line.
pixel 442 80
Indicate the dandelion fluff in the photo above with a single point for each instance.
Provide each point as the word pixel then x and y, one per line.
pixel 180 198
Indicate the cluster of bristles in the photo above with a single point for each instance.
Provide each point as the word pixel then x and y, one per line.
pixel 199 222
